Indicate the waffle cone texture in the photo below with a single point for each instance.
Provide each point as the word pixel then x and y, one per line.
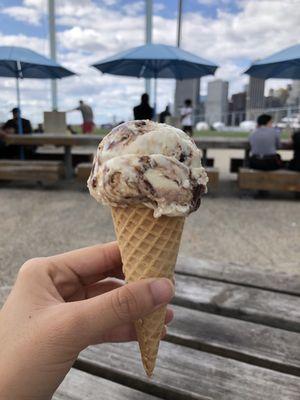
pixel 149 248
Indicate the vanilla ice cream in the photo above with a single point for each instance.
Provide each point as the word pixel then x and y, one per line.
pixel 149 164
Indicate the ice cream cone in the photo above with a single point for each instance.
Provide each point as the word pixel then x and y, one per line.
pixel 149 248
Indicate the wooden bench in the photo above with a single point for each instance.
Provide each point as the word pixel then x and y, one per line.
pixel 83 171
pixel 213 176
pixel 279 180
pixel 235 336
pixel 31 170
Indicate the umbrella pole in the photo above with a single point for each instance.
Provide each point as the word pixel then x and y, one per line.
pixel 20 126
pixel 155 98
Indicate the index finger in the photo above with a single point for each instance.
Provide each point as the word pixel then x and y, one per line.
pixel 93 263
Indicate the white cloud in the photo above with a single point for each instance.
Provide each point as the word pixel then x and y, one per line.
pixel 31 16
pixel 134 9
pixel 35 43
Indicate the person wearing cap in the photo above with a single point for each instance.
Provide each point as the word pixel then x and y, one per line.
pixel 12 125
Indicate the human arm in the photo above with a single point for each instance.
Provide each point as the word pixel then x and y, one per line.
pixel 3 134
pixel 9 127
pixel 58 306
pixel 73 109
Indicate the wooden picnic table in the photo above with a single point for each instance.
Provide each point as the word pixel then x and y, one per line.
pixel 235 336
pixel 68 141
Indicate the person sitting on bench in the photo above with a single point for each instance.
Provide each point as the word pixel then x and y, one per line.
pixel 11 127
pixel 264 142
pixel 295 162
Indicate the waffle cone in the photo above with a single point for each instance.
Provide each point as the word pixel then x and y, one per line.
pixel 149 248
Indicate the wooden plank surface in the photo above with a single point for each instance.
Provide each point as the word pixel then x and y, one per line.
pixel 83 171
pixel 57 140
pixel 204 142
pixel 31 172
pixel 183 373
pixel 213 177
pixel 76 150
pixel 281 180
pixel 256 305
pixel 22 163
pixel 245 341
pixel 79 385
pixel 249 275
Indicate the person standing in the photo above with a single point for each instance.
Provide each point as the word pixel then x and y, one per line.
pixel 163 115
pixel 186 119
pixel 143 110
pixel 264 142
pixel 87 116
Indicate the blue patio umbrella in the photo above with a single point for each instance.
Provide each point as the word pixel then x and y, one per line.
pixel 284 64
pixel 157 61
pixel 19 63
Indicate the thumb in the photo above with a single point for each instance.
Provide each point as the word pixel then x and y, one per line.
pixel 97 316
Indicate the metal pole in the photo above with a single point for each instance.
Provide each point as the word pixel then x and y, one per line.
pixel 148 38
pixel 20 126
pixel 19 75
pixel 155 99
pixel 179 86
pixel 52 39
pixel 179 22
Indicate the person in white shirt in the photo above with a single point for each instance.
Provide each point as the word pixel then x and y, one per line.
pixel 186 119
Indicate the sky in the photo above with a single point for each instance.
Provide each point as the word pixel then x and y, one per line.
pixel 231 33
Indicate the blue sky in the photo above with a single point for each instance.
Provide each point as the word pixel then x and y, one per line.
pixel 165 8
pixel 230 33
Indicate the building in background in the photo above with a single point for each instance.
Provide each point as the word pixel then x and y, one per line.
pixel 294 95
pixel 255 98
pixel 187 89
pixel 237 109
pixel 216 107
pixel 274 99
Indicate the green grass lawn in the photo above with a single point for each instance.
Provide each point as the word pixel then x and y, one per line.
pixel 211 133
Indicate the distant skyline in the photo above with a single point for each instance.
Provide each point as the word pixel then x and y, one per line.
pixel 230 33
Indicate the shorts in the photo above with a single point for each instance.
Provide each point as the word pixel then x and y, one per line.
pixel 266 163
pixel 88 127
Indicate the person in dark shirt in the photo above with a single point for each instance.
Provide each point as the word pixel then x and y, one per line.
pixel 143 110
pixel 163 115
pixel 12 126
pixel 295 162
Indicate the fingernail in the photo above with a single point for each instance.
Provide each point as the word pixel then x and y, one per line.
pixel 162 290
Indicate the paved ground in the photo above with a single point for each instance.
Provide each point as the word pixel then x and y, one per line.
pixel 38 222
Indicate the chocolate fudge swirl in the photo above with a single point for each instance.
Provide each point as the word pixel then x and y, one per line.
pixel 150 164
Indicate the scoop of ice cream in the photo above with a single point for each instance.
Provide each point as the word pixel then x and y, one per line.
pixel 155 165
